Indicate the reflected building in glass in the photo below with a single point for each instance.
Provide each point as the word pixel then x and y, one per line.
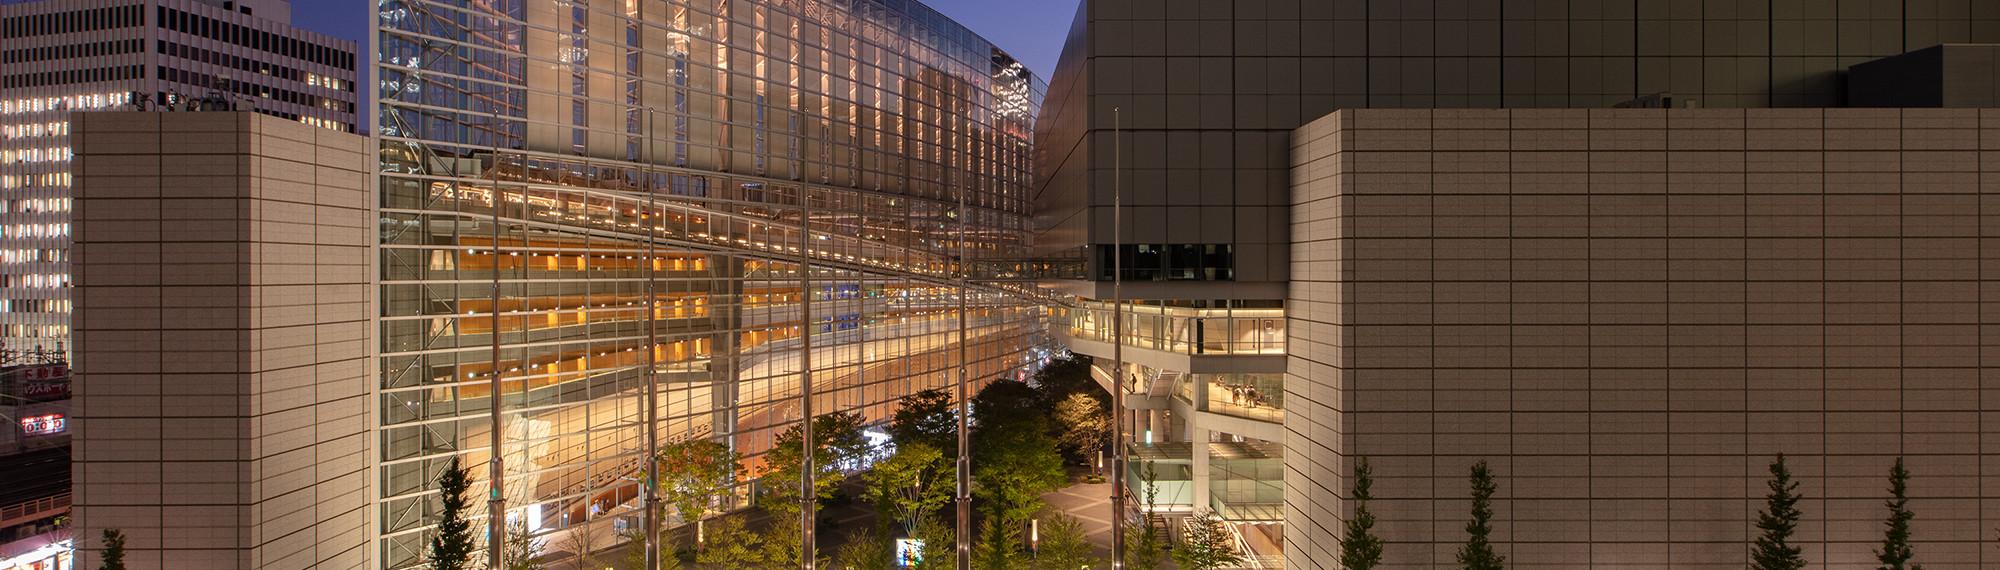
pixel 579 197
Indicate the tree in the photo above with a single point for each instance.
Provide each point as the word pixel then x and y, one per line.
pixel 1207 545
pixel 940 550
pixel 1064 546
pixel 523 548
pixel 999 547
pixel 693 473
pixel 114 550
pixel 1016 460
pixel 783 546
pixel 910 485
pixel 1086 423
pixel 1063 377
pixel 1008 406
pixel 926 417
pixel 1015 468
pixel 1360 549
pixel 1896 551
pixel 583 542
pixel 866 550
pixel 1477 554
pixel 635 554
pixel 452 547
pixel 838 439
pixel 1779 518
pixel 1144 549
pixel 731 546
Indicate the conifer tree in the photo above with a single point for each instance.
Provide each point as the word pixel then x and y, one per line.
pixel 1896 551
pixel 451 548
pixel 114 550
pixel 1360 549
pixel 1477 554
pixel 1778 520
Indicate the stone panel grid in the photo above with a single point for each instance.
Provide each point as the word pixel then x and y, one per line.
pixel 1628 313
pixel 222 287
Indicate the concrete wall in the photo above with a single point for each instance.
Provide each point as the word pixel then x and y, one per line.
pixel 221 358
pixel 1628 313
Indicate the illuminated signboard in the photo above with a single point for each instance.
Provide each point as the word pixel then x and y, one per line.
pixel 909 552
pixel 44 425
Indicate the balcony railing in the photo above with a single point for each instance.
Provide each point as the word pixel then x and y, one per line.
pixel 1184 330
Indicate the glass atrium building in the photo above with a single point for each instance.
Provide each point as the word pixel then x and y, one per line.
pixel 577 196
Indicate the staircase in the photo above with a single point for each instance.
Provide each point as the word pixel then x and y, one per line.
pixel 1161 530
pixel 1163 385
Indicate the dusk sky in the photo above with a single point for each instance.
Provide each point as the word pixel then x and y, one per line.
pixel 1032 30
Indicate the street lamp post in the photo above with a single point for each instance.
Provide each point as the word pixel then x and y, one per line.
pixel 1117 341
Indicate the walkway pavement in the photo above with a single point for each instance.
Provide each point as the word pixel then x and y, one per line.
pixel 1091 505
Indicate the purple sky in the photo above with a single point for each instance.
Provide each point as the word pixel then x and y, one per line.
pixel 1032 30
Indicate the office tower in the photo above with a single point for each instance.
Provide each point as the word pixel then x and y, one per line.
pixel 1627 313
pixel 63 56
pixel 599 211
pixel 222 361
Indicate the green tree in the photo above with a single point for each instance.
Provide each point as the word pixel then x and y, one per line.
pixel 452 546
pixel 940 550
pixel 1360 549
pixel 635 553
pixel 1014 470
pixel 1086 423
pixel 1477 554
pixel 1207 545
pixel 731 546
pixel 114 550
pixel 523 548
pixel 838 439
pixel 1779 518
pixel 693 474
pixel 1064 376
pixel 1064 546
pixel 999 547
pixel 910 485
pixel 1008 406
pixel 866 550
pixel 1896 551
pixel 1144 549
pixel 928 418
pixel 1016 458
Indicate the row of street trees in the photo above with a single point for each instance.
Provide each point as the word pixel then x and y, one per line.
pixel 1361 549
pixel 1019 452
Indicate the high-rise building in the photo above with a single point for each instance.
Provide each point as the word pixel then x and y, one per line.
pixel 1627 313
pixel 62 56
pixel 600 211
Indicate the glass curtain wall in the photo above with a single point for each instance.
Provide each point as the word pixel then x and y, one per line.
pixel 544 161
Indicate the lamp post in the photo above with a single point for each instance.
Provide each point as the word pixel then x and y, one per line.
pixel 1117 340
pixel 808 495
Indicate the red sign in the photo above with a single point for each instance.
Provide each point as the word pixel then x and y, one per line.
pixel 37 383
pixel 53 372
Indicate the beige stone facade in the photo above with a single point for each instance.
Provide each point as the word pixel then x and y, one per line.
pixel 221 355
pixel 1628 313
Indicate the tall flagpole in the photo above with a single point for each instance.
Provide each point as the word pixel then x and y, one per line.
pixel 1117 340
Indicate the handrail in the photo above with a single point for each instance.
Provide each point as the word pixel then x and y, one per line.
pixel 35 509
